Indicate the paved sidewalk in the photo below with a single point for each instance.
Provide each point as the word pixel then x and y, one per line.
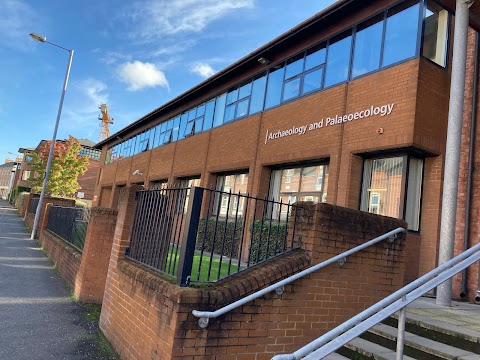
pixel 462 315
pixel 38 319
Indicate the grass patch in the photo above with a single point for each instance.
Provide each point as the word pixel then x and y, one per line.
pixel 93 313
pixel 206 262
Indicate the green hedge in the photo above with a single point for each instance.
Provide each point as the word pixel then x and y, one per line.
pixel 17 190
pixel 276 244
pixel 225 230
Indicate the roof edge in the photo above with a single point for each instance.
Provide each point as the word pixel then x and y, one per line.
pixel 304 24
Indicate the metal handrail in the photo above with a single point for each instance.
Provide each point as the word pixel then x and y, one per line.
pixel 204 316
pixel 349 330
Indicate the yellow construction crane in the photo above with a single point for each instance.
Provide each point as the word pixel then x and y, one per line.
pixel 106 120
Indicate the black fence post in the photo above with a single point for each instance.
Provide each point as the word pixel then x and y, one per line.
pixel 187 250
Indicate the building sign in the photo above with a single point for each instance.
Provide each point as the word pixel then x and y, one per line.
pixel 383 110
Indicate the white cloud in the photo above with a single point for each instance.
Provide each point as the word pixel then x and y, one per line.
pixel 139 75
pixel 17 16
pixel 202 69
pixel 168 17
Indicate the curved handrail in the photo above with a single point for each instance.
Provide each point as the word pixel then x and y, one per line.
pixel 349 330
pixel 204 316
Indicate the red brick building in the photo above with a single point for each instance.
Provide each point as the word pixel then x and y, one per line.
pixel 350 108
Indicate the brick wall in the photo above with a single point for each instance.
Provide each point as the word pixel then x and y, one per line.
pixel 84 272
pixel 145 316
pixel 66 258
pixel 92 275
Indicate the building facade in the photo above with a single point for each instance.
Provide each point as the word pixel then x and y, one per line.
pixel 350 108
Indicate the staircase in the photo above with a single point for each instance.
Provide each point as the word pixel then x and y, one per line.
pixel 431 333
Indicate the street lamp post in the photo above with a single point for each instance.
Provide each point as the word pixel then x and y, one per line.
pixel 41 38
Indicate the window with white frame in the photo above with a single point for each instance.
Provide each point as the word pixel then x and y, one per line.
pixel 25 175
pixel 392 186
pixel 307 183
pixel 233 204
pixel 188 183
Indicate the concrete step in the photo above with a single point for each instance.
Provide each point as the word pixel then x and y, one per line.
pixel 363 349
pixel 441 331
pixel 418 346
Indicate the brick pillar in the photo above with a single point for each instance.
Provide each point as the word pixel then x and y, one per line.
pixel 26 201
pixel 92 275
pixel 121 239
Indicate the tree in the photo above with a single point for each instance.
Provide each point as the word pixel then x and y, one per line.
pixel 66 166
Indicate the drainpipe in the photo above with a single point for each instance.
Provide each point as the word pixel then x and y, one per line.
pixel 466 234
pixel 452 151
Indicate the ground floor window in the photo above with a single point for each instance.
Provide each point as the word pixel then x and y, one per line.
pixel 236 184
pixel 303 183
pixel 159 184
pixel 392 186
pixel 188 183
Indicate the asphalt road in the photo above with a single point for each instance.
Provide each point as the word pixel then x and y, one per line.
pixel 38 319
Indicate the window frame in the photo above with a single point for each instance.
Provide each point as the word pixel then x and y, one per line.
pixel 407 156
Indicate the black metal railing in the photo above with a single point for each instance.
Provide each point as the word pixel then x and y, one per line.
pixel 33 204
pixel 158 228
pixel 69 223
pixel 221 234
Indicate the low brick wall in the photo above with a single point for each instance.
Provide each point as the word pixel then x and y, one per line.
pixel 85 272
pixel 66 258
pixel 145 316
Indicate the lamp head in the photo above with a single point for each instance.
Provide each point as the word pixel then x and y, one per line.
pixel 38 37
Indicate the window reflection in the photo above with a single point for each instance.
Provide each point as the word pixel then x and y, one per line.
pixel 401 33
pixel 274 88
pixel 368 44
pixel 338 59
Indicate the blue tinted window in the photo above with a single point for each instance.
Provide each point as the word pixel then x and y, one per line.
pixel 292 89
pixel 315 56
pixel 232 96
pixel 338 60
pixel 274 87
pixel 401 33
pixel 208 120
pixel 201 110
pixel 245 90
pixel 152 138
pixel 175 125
pixel 368 44
pixel 198 125
pixel 294 66
pixel 189 128
pixel 229 113
pixel 219 110
pixel 136 147
pixel 313 80
pixel 158 133
pixel 242 108
pixel 192 114
pixel 183 125
pixel 258 94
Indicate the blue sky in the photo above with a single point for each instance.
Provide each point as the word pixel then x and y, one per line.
pixel 132 55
